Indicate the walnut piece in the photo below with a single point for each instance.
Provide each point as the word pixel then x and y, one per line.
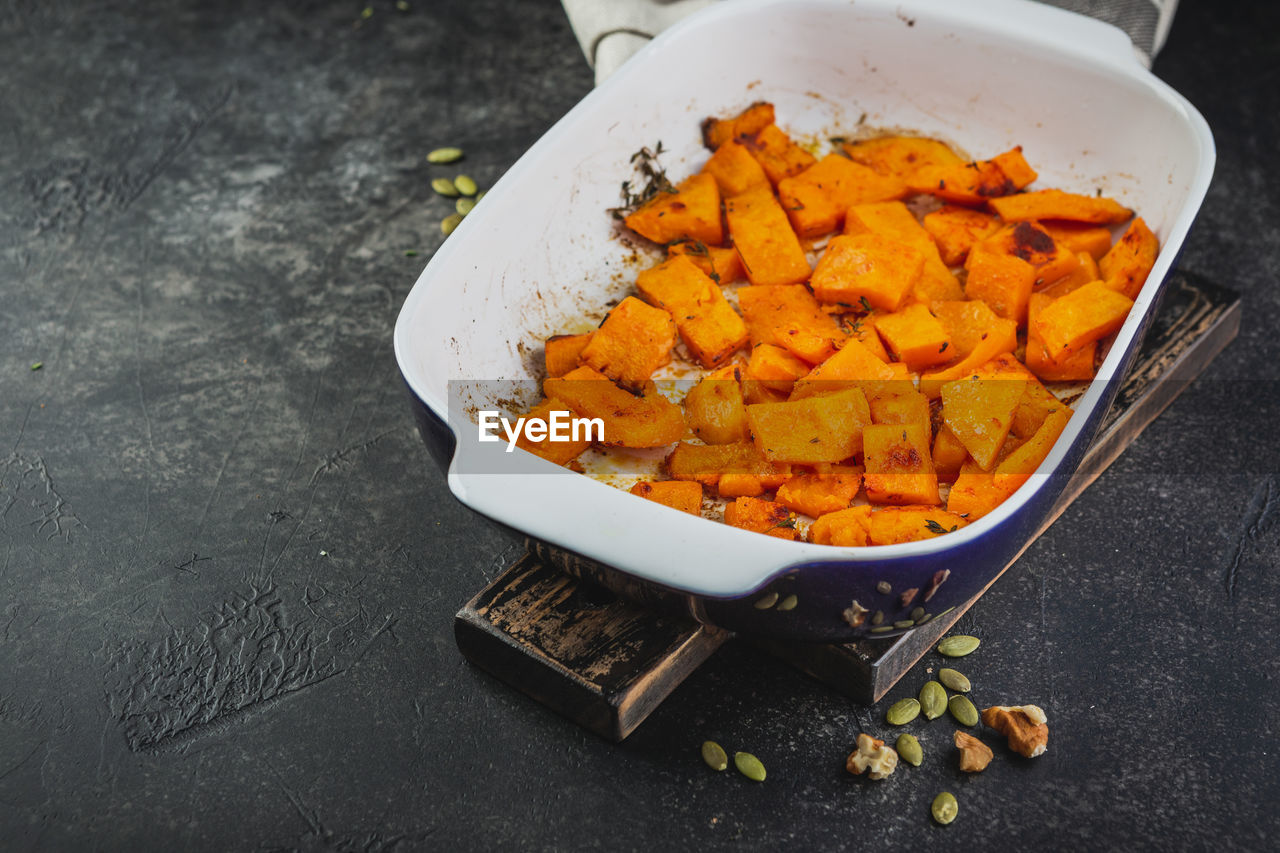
pixel 974 754
pixel 855 614
pixel 872 755
pixel 1026 727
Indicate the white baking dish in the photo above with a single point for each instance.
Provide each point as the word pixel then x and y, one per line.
pixel 540 251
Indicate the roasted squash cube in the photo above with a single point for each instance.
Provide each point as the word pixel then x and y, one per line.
pixel 899 465
pixel 734 169
pixel 902 156
pixel 790 317
pixel 821 492
pixel 714 408
pixel 948 455
pixel 956 229
pixel 843 528
pixel 1085 273
pixel 892 219
pixel 974 183
pixel 1071 322
pixel 1001 280
pixel 817 198
pixel 709 326
pixel 1031 243
pixel 1056 204
pixel 770 251
pixel 721 264
pixel 1126 266
pixel 979 410
pixel 717 131
pixel 854 366
pixel 707 464
pixel 1079 236
pixel 777 154
pixel 559 452
pixel 915 337
pixel 684 495
pixel 812 430
pixel 897 524
pixel 775 367
pixel 632 342
pixel 692 212
pixel 648 420
pixel 867 269
pixel 564 352
pixel 761 516
pixel 1074 366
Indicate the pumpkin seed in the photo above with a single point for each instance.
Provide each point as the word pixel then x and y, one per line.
pixel 933 700
pixel 449 223
pixel 917 613
pixel 444 187
pixel 909 750
pixel 714 754
pixel 878 618
pixel 925 618
pixel 904 623
pixel 748 765
pixel 962 709
pixel 480 194
pixel 945 808
pixel 444 155
pixel 882 629
pixel 768 600
pixel 958 645
pixel 954 680
pixel 465 185
pixel 464 205
pixel 788 603
pixel 884 588
pixel 902 712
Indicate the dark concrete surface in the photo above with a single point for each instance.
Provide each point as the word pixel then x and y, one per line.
pixel 228 569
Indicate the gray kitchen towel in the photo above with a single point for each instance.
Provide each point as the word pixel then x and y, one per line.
pixel 610 31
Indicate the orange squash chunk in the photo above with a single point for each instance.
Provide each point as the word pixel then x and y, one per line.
pixel 734 169
pixel 1071 322
pixel 649 420
pixel 948 455
pixel 717 131
pixel 915 337
pixel 692 212
pixel 899 402
pixel 854 366
pixel 714 408
pixel 979 410
pixel 1056 204
pixel 559 452
pixel 775 367
pixel 1001 337
pixel 1001 280
pixel 821 492
pixel 816 429
pixel 897 524
pixel 843 528
pixel 707 464
pixel 976 492
pixel 563 352
pixel 893 219
pixel 709 326
pixel 632 342
pixel 974 183
pixel 1029 242
pixel 902 156
pixel 967 324
pixel 1079 236
pixel 761 516
pixel 790 317
pixel 956 229
pixel 1078 278
pixel 720 263
pixel 868 267
pixel 817 198
pixel 1126 266
pixel 1073 366
pixel 777 154
pixel 1036 404
pixel 683 495
pixel 899 465
pixel 770 251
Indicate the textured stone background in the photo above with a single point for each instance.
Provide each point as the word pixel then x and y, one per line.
pixel 228 569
